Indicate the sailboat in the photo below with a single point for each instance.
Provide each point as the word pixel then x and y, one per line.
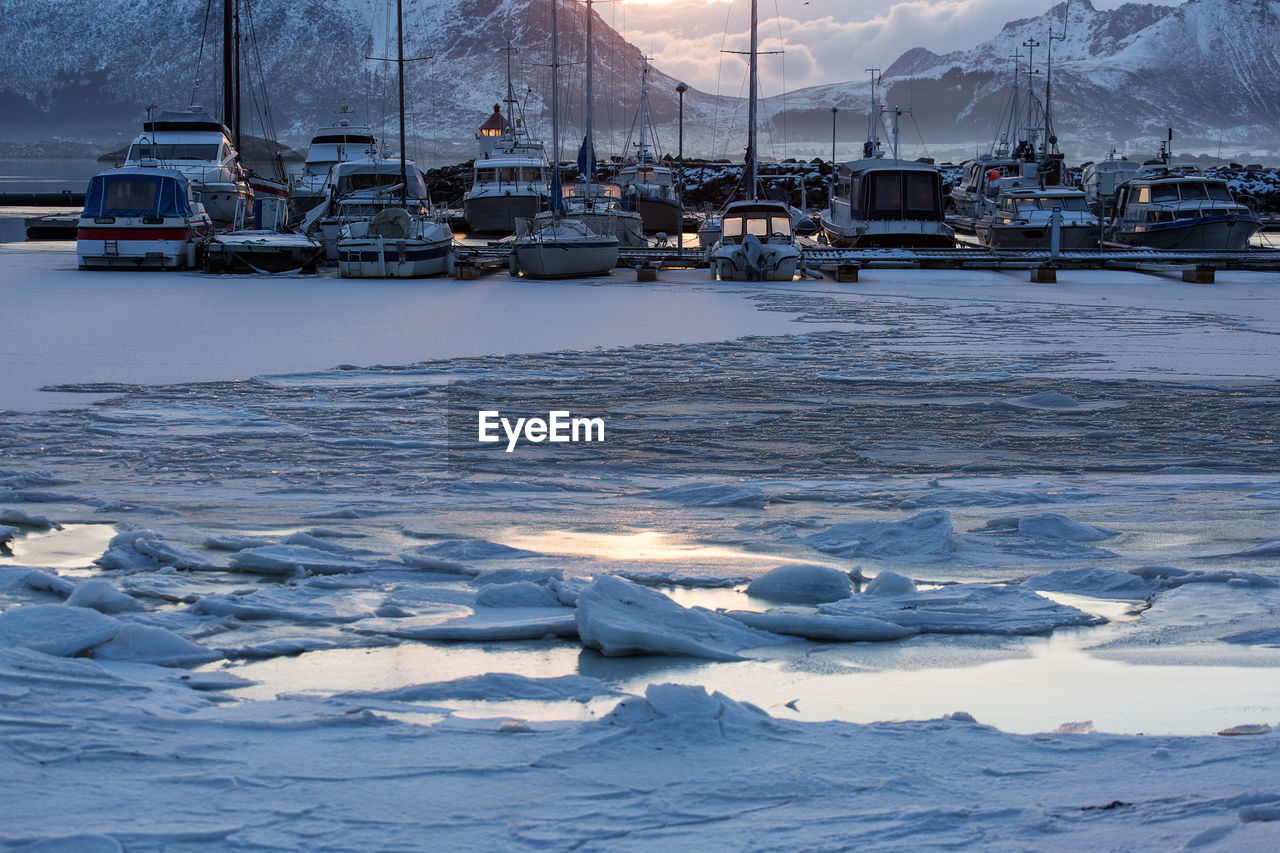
pixel 649 187
pixel 756 238
pixel 397 242
pixel 596 204
pixel 559 247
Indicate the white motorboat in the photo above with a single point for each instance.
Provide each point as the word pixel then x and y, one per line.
pixel 197 145
pixel 331 145
pixel 140 216
pixel 561 247
pixel 1179 208
pixel 1101 180
pixel 757 242
pixel 1024 219
pixel 361 189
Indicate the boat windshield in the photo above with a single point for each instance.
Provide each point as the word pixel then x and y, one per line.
pixel 1164 192
pixel 136 195
pixel 357 181
pixel 205 151
pixel 902 195
pixel 762 226
pixel 1050 202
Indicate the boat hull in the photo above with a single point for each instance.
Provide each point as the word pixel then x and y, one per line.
pixel 656 214
pixel 170 245
pixel 497 214
pixel 381 257
pixel 776 263
pixel 1209 234
pixel 1022 237
pixel 222 200
pixel 566 259
pixel 903 234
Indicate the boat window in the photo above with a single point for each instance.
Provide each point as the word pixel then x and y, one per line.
pixel 1218 192
pixel 758 225
pixel 922 197
pixel 1164 192
pixel 1063 203
pixel 780 225
pixel 1193 192
pixel 886 195
pixel 1144 195
pixel 136 195
pixel 731 227
pixel 532 173
pixel 173 151
pixel 485 176
pixel 368 181
pixel 508 174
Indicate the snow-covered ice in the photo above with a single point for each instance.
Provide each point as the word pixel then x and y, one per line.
pixel 283 599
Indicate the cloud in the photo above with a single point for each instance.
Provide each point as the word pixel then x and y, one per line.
pixel 826 41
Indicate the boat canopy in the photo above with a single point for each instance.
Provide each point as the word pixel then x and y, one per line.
pixel 138 191
pixel 899 191
pixel 185 120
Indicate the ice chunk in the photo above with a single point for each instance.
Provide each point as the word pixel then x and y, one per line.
pixel 712 494
pixel 687 710
pixel 502 576
pixel 73 844
pixel 802 583
pixel 683 580
pixel 497 686
pixel 287 559
pixel 18 518
pixel 518 594
pixel 146 550
pixel 1048 525
pixel 103 597
pixel 1256 637
pixel 967 609
pixel 618 617
pixel 42 582
pixel 465 550
pixel 1045 400
pixel 56 629
pixel 1099 583
pixel 923 538
pixel 148 644
pixel 490 625
pixel 437 564
pixel 891 583
pixel 824 628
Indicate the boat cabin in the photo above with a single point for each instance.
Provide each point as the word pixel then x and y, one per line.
pixel 891 190
pixel 764 219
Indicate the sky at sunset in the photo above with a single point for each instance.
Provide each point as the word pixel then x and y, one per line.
pixel 826 41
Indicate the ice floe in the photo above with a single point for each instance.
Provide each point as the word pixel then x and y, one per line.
pixel 923 538
pixel 496 686
pixel 966 609
pixel 713 495
pixel 103 597
pixel 148 644
pixel 617 617
pixel 802 583
pixel 56 629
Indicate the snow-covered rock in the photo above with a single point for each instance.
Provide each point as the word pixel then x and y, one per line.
pixel 923 538
pixel 802 583
pixel 618 617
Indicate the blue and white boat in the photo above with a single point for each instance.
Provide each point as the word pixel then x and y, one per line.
pixel 140 216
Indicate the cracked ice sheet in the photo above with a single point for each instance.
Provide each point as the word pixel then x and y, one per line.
pixel 652 772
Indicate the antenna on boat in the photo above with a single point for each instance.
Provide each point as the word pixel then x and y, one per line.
pixel 873 118
pixel 1049 136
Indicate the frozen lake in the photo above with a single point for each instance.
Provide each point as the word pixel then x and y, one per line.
pixel 1052 508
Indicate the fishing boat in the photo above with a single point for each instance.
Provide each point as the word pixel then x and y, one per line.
pixel 1024 219
pixel 756 240
pixel 886 202
pixel 329 146
pixel 1178 207
pixel 510 177
pixel 648 187
pixel 561 247
pixel 140 216
pixel 1101 179
pixel 402 240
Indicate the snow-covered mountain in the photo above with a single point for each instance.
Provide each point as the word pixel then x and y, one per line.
pixel 88 75
pixel 1209 68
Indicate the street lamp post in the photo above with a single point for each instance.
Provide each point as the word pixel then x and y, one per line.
pixel 681 88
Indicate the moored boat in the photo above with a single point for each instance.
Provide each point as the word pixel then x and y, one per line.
pixel 329 146
pixel 648 187
pixel 1023 218
pixel 1179 208
pixel 140 216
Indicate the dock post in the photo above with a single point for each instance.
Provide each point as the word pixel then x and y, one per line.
pixel 1198 275
pixel 846 272
pixel 646 272
pixel 1055 233
pixel 1044 274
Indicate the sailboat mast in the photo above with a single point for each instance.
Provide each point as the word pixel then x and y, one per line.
pixel 228 91
pixel 235 64
pixel 555 111
pixel 404 174
pixel 750 182
pixel 590 63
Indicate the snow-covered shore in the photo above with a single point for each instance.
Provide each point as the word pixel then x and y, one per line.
pixel 292 606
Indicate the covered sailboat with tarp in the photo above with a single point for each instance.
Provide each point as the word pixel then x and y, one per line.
pixel 560 246
pixel 140 216
pixel 596 204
